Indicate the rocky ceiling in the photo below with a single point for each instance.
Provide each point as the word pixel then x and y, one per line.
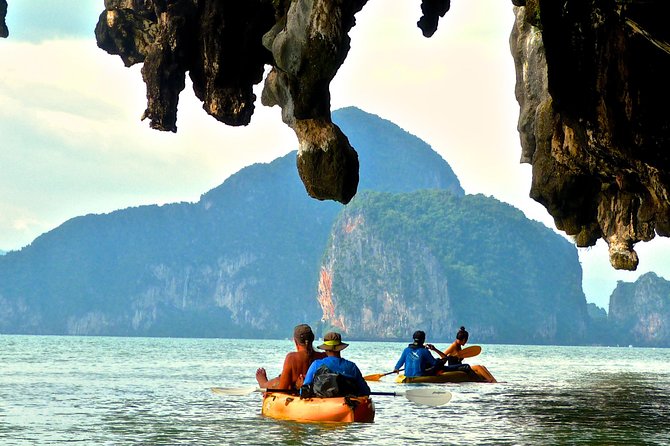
pixel 4 32
pixel 591 77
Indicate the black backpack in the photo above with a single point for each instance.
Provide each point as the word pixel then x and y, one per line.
pixel 327 384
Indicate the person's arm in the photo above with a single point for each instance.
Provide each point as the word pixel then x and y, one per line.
pixel 310 373
pixel 430 359
pixel 400 362
pixel 363 387
pixel 286 379
pixel 432 348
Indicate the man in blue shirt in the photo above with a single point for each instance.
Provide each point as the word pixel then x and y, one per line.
pixel 416 358
pixel 333 345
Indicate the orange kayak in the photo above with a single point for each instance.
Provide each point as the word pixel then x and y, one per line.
pixel 483 375
pixel 285 406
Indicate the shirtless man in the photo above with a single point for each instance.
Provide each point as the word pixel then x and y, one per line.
pixel 296 363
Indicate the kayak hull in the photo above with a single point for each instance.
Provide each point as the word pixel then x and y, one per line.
pixel 283 406
pixel 483 375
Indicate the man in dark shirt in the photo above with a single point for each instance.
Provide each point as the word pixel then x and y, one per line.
pixel 333 345
pixel 417 359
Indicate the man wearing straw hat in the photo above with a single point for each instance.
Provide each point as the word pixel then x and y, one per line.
pixel 333 345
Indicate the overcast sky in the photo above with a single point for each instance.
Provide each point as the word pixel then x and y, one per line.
pixel 72 143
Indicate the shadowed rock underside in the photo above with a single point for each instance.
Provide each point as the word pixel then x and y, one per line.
pixel 591 85
pixel 224 46
pixel 4 32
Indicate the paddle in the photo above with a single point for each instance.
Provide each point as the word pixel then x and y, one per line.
pixel 469 352
pixel 378 376
pixel 429 397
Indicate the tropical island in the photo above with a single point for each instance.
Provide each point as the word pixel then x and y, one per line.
pixel 255 255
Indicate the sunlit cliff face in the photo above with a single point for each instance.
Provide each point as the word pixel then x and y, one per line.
pixel 591 85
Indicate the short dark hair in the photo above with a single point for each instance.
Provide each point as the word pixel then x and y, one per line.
pixel 419 337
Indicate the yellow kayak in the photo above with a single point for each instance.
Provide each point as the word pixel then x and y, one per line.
pixel 483 375
pixel 285 406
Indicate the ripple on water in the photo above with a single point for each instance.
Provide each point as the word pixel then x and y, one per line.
pixel 110 391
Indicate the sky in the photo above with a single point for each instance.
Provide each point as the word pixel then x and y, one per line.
pixel 72 143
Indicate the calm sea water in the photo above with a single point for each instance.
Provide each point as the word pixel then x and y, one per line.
pixel 148 391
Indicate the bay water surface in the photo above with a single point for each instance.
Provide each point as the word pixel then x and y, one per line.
pixel 156 391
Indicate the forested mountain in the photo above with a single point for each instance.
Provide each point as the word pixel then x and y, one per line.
pixel 243 261
pixel 435 261
pixel 255 256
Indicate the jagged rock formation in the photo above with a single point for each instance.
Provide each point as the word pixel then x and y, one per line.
pixel 224 46
pixel 4 32
pixel 591 84
pixel 590 80
pixel 640 312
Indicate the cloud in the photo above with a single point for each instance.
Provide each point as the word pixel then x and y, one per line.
pixel 73 143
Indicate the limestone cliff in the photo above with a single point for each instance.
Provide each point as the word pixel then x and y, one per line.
pixel 224 47
pixel 640 312
pixel 430 260
pixel 592 86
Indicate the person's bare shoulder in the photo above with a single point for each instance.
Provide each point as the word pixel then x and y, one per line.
pixel 291 356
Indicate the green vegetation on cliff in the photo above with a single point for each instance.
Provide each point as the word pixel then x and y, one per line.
pixel 435 261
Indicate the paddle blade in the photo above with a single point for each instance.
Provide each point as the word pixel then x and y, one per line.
pixel 235 390
pixel 375 377
pixel 469 352
pixel 379 376
pixel 429 397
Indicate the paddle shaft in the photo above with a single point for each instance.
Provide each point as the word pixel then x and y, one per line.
pixel 378 376
pixel 293 391
pixel 387 393
pixel 419 396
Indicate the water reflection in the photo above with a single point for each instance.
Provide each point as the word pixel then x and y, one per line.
pixel 620 408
